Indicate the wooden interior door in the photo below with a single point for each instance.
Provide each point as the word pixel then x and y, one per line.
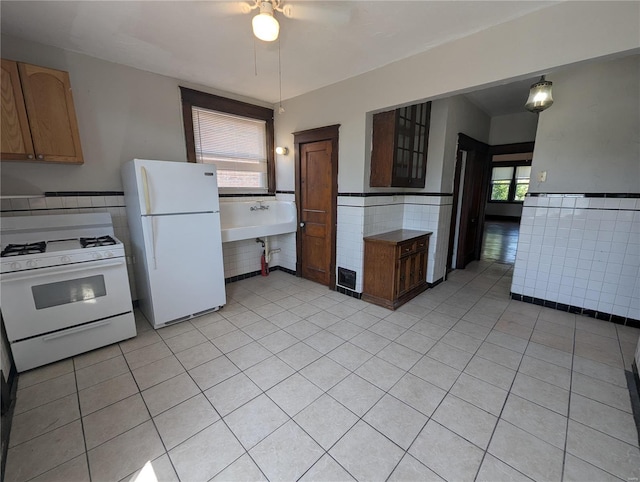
pixel 317 199
pixel 474 192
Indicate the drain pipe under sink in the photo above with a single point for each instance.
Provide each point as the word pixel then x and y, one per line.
pixel 266 254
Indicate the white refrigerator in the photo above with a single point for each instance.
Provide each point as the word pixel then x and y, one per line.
pixel 174 222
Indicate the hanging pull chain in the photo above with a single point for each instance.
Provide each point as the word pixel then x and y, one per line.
pixel 280 109
pixel 255 58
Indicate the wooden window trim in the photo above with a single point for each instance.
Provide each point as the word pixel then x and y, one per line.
pixel 512 187
pixel 502 150
pixel 193 98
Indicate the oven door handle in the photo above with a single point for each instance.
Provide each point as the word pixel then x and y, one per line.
pixel 73 331
pixel 30 274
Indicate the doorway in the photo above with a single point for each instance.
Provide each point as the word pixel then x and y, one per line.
pixel 469 194
pixel 500 240
pixel 316 159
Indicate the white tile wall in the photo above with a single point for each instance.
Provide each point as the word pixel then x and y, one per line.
pixel 239 257
pixel 349 245
pixel 581 251
pixel 114 205
pixel 360 217
pixel 357 217
pixel 431 214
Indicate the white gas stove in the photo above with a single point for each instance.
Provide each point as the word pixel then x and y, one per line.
pixel 65 288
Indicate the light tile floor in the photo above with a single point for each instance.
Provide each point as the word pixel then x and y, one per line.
pixel 293 381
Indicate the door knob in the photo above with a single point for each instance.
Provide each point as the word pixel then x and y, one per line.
pixel 302 224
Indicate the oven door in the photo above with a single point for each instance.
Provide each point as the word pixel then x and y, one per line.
pixel 43 300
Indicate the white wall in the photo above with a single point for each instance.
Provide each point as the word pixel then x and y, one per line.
pixel 123 113
pixel 589 140
pixel 556 36
pixel 464 117
pixel 513 128
pixel 510 129
pixel 585 251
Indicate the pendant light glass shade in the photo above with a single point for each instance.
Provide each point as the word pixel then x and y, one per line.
pixel 265 26
pixel 540 96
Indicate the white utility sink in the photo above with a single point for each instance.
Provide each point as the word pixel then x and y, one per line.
pixel 269 218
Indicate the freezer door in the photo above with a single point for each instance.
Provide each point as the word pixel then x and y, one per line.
pixel 167 187
pixel 184 259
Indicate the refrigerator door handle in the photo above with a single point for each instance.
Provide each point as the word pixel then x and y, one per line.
pixel 152 220
pixel 145 186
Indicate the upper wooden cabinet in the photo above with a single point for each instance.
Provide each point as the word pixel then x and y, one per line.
pixel 400 141
pixel 38 115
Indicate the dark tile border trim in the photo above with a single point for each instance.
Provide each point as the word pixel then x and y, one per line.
pixel 260 194
pixel 435 283
pixel 82 193
pixel 599 315
pixel 386 194
pixel 251 274
pixel 586 194
pixel 348 292
pixel 633 382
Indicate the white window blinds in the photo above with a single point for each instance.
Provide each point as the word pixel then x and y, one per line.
pixel 236 145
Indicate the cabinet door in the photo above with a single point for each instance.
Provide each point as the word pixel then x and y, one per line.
pixel 16 137
pixel 383 146
pixel 52 115
pixel 419 265
pixel 421 120
pixel 404 142
pixel 404 275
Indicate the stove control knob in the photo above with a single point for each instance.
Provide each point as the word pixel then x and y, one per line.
pixel 16 265
pixel 97 256
pixel 32 263
pixel 65 259
pixel 108 254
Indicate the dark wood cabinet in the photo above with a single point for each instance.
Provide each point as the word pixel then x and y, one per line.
pixel 38 115
pixel 395 267
pixel 399 147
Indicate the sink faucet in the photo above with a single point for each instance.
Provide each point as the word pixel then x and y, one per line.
pixel 259 207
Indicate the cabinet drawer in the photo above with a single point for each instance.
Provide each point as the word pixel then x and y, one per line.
pixel 422 243
pixel 41 350
pixel 407 248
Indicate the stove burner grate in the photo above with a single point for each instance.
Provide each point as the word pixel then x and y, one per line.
pixel 22 249
pixel 95 242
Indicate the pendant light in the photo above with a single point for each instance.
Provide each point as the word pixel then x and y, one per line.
pixel 540 96
pixel 265 25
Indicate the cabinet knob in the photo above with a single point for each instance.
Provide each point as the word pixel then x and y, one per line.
pixel 29 156
pixel 40 156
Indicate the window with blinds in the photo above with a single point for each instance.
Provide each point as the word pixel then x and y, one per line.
pixel 236 145
pixel 235 136
pixel 509 183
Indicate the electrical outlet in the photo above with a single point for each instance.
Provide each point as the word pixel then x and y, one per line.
pixel 542 176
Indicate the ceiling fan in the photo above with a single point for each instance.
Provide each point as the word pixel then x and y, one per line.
pixel 266 26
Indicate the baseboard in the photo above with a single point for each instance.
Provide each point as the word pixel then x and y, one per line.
pixel 633 383
pixel 251 274
pixel 348 292
pixel 578 310
pixel 7 416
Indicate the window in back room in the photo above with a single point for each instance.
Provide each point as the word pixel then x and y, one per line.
pixel 509 181
pixel 234 136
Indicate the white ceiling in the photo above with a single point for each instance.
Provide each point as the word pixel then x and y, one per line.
pixel 211 43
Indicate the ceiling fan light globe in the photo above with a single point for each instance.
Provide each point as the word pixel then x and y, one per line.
pixel 265 27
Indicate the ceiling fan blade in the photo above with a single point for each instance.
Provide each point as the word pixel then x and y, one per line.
pixel 336 14
pixel 232 8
